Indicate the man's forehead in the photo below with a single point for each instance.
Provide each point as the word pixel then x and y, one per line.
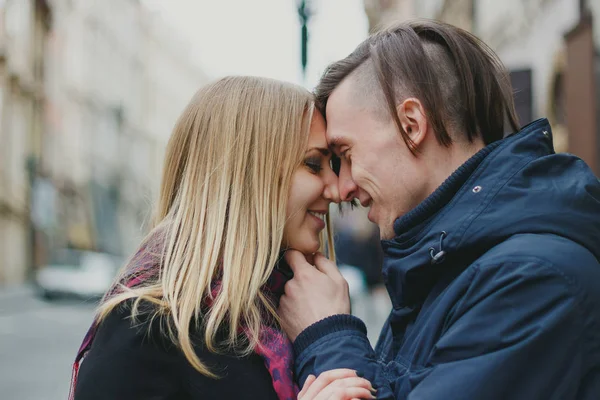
pixel 343 112
pixel 341 96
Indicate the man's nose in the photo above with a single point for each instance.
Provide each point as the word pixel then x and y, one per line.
pixel 348 189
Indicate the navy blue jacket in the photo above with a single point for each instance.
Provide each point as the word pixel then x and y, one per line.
pixel 495 286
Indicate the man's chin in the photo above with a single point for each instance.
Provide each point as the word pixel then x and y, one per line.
pixel 387 232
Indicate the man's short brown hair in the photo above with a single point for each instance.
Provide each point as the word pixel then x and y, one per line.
pixel 461 82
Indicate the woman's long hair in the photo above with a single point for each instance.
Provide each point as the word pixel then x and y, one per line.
pixel 221 213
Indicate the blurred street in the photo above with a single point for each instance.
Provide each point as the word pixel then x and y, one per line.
pixel 38 341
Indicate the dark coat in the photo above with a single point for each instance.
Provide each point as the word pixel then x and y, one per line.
pixel 495 286
pixel 129 362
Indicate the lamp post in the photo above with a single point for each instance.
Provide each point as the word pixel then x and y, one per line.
pixel 304 13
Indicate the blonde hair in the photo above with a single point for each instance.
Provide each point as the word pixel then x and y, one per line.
pixel 221 212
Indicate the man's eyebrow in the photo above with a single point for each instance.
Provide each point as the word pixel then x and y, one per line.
pixel 335 142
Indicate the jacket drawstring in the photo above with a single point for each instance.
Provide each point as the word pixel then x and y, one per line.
pixel 439 256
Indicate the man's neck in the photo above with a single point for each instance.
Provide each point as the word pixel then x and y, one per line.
pixel 450 159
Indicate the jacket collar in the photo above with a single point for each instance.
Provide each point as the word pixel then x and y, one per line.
pixel 430 235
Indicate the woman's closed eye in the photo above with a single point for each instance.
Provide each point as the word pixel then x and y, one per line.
pixel 314 164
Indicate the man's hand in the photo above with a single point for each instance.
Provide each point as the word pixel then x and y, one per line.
pixel 315 292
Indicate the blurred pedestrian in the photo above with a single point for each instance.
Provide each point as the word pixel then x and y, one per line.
pixel 193 314
pixel 491 243
pixel 357 245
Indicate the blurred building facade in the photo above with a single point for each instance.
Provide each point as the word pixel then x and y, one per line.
pixel 89 93
pixel 550 47
pixel 23 28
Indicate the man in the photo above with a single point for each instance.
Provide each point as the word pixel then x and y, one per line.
pixel 491 244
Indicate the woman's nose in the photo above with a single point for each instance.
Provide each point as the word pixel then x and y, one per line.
pixel 347 188
pixel 331 190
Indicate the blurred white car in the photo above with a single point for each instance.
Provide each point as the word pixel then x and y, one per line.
pixel 84 274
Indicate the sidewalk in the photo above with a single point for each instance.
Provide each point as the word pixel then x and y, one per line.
pixel 17 290
pixel 15 298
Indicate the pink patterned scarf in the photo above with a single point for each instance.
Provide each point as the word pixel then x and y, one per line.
pixel 274 346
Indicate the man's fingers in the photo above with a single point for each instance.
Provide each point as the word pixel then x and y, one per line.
pixel 296 261
pixel 326 266
pixel 329 268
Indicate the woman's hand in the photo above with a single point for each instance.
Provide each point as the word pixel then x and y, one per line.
pixel 337 384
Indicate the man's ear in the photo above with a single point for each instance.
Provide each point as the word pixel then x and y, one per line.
pixel 413 120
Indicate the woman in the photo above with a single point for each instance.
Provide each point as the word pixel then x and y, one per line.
pixel 192 316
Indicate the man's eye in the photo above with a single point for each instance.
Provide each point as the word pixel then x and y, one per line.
pixel 335 164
